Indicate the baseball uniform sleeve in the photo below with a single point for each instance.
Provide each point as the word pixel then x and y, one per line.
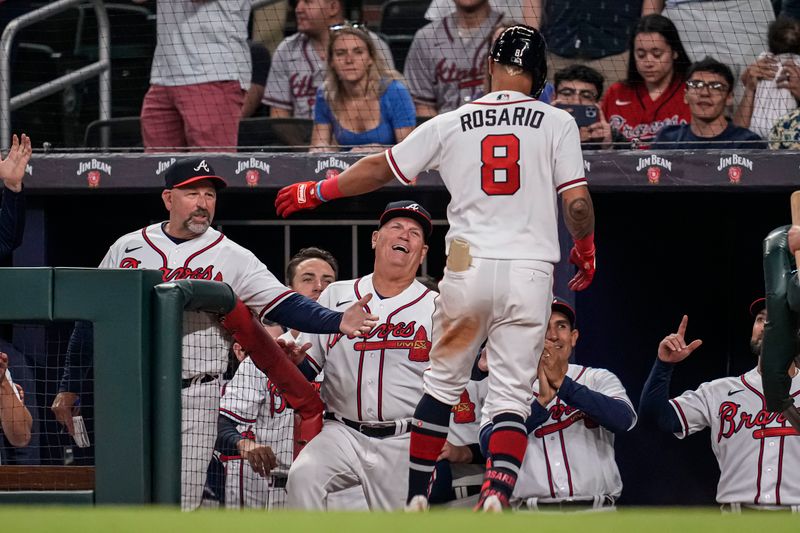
pixel 244 394
pixel 418 71
pixel 419 151
pixel 400 110
pixel 316 353
pixel 693 410
pixel 603 398
pixel 278 92
pixel 568 165
pixel 322 111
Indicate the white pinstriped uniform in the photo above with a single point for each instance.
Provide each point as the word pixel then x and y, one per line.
pixel 374 379
pixel 757 450
pixel 503 158
pixel 210 256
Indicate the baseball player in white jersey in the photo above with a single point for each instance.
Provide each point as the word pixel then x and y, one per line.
pixel 569 463
pixel 756 449
pixel 504 159
pixel 186 247
pixel 298 66
pixel 371 385
pixel 446 64
pixel 256 426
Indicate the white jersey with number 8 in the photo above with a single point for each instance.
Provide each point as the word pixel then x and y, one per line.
pixel 503 158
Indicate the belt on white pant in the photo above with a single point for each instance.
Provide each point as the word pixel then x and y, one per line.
pixel 746 507
pixel 376 430
pixel 569 504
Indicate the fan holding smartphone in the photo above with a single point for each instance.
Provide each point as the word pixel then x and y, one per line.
pixel 577 90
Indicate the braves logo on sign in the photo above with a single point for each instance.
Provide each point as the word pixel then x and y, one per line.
pixel 464 410
pixel 653 174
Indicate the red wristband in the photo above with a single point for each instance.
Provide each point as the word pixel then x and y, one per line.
pixel 328 189
pixel 585 246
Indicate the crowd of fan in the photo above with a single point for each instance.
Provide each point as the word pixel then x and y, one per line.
pixel 635 73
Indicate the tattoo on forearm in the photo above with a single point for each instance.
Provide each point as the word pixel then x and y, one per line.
pixel 579 217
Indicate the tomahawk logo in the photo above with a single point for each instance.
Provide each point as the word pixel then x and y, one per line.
pixel 202 165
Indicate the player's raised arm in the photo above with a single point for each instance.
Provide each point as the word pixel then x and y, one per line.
pixel 366 175
pixel 579 217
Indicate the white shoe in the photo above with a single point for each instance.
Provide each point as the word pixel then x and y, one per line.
pixel 492 505
pixel 418 504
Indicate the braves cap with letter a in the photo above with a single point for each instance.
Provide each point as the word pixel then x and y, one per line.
pixel 186 171
pixel 561 305
pixel 758 305
pixel 408 209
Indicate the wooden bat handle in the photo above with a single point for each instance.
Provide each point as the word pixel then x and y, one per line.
pixel 795 202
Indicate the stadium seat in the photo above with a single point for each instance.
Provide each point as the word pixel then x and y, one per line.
pixel 261 132
pixel 400 20
pixel 123 132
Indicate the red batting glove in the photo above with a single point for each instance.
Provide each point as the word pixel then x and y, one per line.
pixel 298 196
pixel 583 256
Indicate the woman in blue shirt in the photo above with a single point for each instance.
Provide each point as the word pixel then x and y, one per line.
pixel 362 103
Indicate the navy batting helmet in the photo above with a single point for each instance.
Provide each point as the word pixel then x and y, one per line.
pixel 524 47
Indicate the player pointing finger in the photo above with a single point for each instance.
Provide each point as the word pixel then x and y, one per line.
pixel 673 348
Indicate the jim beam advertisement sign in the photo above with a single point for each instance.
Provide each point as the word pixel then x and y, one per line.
pixel 653 166
pixel 734 166
pixel 252 169
pixel 93 170
pixel 330 167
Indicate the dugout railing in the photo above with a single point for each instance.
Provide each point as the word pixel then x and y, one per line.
pixel 137 378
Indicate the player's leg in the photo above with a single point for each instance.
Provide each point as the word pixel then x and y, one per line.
pixel 211 113
pixel 162 125
pixel 516 339
pixel 384 458
pixel 459 327
pixel 329 463
pixel 199 411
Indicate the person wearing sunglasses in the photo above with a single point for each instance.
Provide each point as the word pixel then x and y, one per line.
pixel 299 64
pixel 709 90
pixel 362 103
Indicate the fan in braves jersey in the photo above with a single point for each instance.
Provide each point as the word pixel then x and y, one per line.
pixel 256 426
pixel 187 247
pixel 504 159
pixel 446 64
pixel 756 449
pixel 569 463
pixel 299 65
pixel 371 385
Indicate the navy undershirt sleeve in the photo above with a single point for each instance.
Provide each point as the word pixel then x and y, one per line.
pixel 79 357
pixel 306 315
pixel 538 416
pixel 654 406
pixel 227 436
pixel 613 414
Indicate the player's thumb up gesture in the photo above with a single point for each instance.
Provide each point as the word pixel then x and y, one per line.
pixel 673 348
pixel 356 320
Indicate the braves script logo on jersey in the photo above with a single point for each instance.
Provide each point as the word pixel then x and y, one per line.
pixel 564 417
pixel 277 404
pixel 733 419
pixel 734 163
pixel 654 163
pixel 449 72
pixel 171 274
pixel 642 131
pixel 404 337
pixel 464 410
pixel 302 86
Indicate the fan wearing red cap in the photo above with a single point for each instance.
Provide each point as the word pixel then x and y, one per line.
pixel 569 462
pixel 187 247
pixel 755 456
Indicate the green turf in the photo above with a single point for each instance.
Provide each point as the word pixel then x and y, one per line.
pixel 149 520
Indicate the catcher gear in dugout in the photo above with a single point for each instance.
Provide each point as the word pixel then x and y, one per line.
pixel 524 47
